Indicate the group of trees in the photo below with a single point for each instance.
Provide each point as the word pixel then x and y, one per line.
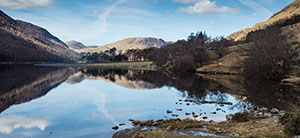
pixel 109 55
pixel 187 55
pixel 112 55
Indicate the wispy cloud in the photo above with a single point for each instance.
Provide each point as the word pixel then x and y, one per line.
pixel 256 7
pixel 24 4
pixel 185 1
pixel 204 7
pixel 102 20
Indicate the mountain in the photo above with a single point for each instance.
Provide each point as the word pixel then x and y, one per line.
pixel 290 11
pixel 129 43
pixel 75 45
pixel 25 42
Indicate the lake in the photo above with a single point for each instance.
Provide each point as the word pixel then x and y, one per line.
pixel 63 102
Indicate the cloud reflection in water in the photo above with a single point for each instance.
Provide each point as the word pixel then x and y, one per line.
pixel 9 123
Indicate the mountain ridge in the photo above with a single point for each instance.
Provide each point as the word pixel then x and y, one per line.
pixel 25 42
pixel 128 43
pixel 75 45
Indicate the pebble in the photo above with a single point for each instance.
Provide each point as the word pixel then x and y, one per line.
pixel 229 117
pixel 169 111
pixel 187 113
pixel 264 109
pixel 267 115
pixel 122 124
pixel 179 109
pixel 274 111
pixel 187 104
pixel 260 114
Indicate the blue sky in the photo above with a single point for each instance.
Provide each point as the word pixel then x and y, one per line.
pixel 98 22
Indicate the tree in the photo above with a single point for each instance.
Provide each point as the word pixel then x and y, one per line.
pixel 270 56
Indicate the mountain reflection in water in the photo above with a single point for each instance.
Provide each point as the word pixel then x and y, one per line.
pixel 88 101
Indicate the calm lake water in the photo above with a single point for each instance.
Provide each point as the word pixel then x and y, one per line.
pixel 86 102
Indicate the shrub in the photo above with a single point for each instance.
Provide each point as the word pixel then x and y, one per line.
pixel 291 123
pixel 241 117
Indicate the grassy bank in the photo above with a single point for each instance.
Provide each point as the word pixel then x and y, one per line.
pixel 147 65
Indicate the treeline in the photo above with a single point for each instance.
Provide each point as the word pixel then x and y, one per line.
pixel 182 56
pixel 112 55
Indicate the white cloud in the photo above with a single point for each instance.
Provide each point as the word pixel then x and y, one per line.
pixel 24 4
pixel 9 123
pixel 204 7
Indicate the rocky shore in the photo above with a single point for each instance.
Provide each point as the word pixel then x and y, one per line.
pixel 258 123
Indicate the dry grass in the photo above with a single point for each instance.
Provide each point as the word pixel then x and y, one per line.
pixel 166 134
pixel 243 129
pixel 172 124
pixel 251 129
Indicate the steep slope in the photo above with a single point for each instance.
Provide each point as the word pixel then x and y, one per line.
pixel 285 14
pixel 75 45
pixel 25 42
pixel 129 43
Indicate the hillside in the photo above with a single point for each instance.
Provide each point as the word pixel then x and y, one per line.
pixel 129 43
pixel 75 45
pixel 287 20
pixel 285 14
pixel 25 42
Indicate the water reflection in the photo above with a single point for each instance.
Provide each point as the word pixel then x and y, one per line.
pixel 87 102
pixel 11 122
pixel 19 84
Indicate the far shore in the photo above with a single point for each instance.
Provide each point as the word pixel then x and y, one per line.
pixel 147 65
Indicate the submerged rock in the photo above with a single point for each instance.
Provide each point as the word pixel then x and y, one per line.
pixel 115 127
pixel 169 111
pixel 175 115
pixel 131 120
